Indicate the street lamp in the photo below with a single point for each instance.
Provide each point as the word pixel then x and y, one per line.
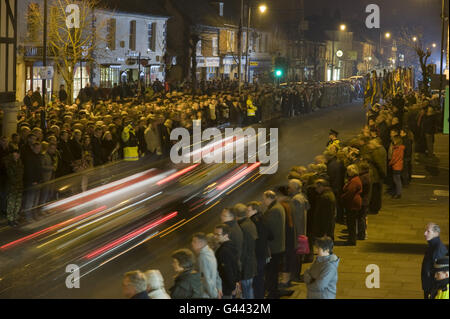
pixel 262 9
pixel 433 45
pixel 387 35
pixel 342 27
pixel 414 39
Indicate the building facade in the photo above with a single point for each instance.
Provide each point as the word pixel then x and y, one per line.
pixel 123 39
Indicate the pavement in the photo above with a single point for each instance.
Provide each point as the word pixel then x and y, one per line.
pixel 395 236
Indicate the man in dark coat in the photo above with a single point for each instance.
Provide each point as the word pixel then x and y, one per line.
pixel 67 158
pixel 383 132
pixel 435 250
pixel 227 261
pixel 336 174
pixel 364 175
pixel 378 170
pixel 429 124
pixel 262 251
pixel 37 97
pixel 324 210
pixel 96 144
pixel 32 177
pixel 275 218
pixel 407 156
pixel 248 258
pixel 27 100
pixel 75 145
pixel 228 217
pixel 300 206
pixel 62 94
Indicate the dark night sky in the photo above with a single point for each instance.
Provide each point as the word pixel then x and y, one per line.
pixel 393 13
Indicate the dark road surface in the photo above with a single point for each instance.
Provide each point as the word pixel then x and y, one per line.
pixel 300 140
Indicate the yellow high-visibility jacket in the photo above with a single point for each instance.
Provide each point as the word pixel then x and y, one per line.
pixel 251 109
pixel 442 294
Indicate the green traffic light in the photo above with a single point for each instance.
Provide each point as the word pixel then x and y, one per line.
pixel 278 73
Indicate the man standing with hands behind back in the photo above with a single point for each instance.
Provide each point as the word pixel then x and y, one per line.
pixel 435 250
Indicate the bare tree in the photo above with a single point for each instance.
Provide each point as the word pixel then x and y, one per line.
pixel 412 41
pixel 72 36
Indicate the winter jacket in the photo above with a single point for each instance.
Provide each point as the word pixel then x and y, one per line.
pixel 435 250
pixel 248 257
pixel 300 206
pixel 207 267
pixel 237 237
pixel 377 161
pixel 429 124
pixel 275 218
pixel 441 292
pixel 396 161
pixel 321 278
pixel 47 167
pixel 97 151
pixel 324 214
pixel 264 235
pixel 75 149
pixel 408 148
pixel 153 140
pixel 336 173
pixel 351 194
pixel 33 169
pixel 14 174
pixel 188 285
pixel 227 266
pixel 366 187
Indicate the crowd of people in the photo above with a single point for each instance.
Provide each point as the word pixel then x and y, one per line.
pixel 259 248
pixel 256 243
pixel 104 126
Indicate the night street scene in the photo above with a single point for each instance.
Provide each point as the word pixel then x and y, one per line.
pixel 273 150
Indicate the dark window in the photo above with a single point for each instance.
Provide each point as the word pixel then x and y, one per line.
pixel 111 30
pixel 133 35
pixel 151 33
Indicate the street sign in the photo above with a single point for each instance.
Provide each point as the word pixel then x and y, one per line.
pixel 253 63
pixel 45 72
pixel 339 53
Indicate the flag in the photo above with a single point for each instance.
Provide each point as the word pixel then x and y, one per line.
pixel 375 88
pixel 367 91
pixel 385 84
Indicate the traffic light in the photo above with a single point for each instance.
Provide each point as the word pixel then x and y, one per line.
pixel 280 67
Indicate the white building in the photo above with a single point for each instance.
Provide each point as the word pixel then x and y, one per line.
pixel 130 38
pixel 122 36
